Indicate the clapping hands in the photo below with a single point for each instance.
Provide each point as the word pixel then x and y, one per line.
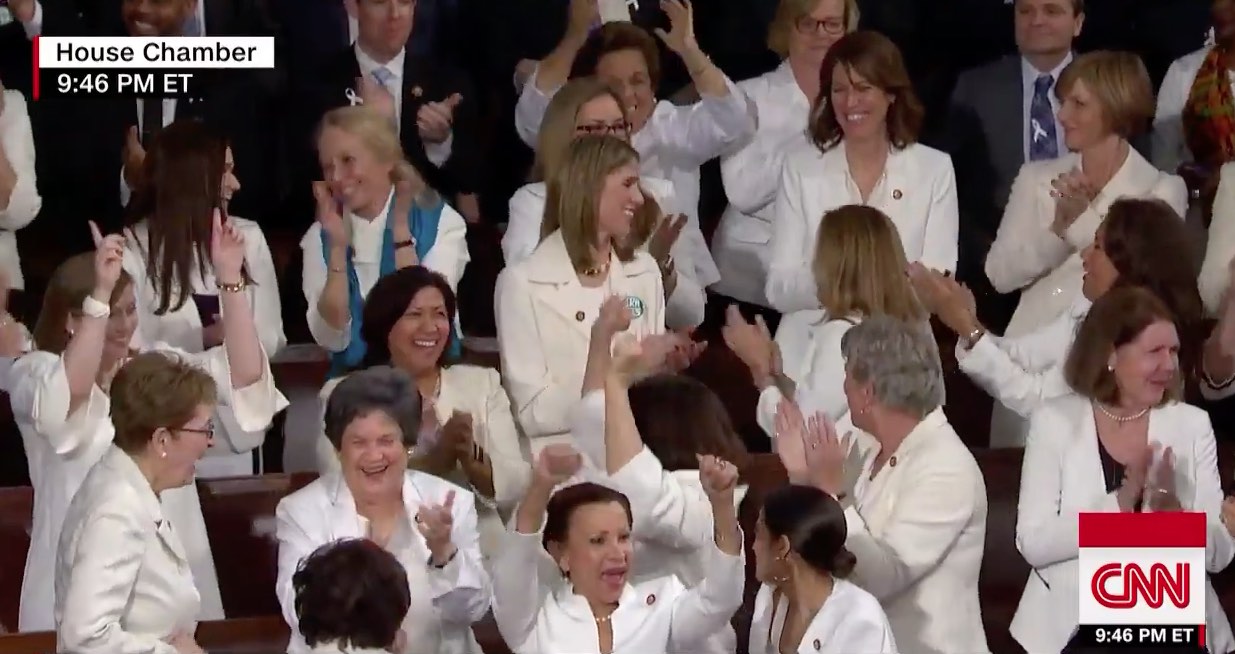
pixel 436 522
pixel 810 449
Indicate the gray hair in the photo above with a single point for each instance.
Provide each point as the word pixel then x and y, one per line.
pixel 380 388
pixel 899 359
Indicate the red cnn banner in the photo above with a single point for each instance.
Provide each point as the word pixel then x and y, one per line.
pixel 1142 580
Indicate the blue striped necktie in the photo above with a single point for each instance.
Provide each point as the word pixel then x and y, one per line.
pixel 1042 140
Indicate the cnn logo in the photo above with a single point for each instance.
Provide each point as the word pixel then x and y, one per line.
pixel 1127 585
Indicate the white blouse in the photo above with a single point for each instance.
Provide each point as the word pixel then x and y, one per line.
pixel 61 447
pixel 24 202
pixel 809 343
pixel 851 621
pixel 448 256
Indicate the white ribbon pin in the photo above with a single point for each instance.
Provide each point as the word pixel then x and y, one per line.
pixel 353 99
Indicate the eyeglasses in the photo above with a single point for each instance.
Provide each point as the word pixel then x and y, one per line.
pixel 612 129
pixel 808 26
pixel 208 430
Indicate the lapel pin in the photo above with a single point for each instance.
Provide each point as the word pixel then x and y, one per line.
pixel 352 99
pixel 579 316
pixel 892 461
pixel 896 194
pixel 417 91
pixel 635 305
pixel 651 599
pixel 817 645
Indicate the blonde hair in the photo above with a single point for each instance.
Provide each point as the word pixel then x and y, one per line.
pixel 1120 84
pixel 574 191
pixel 789 11
pixel 70 285
pixel 379 137
pixel 859 266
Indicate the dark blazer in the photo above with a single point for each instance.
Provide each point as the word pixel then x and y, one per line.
pixel 424 81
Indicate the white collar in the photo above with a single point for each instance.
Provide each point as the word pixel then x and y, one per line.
pixel 390 197
pixel 369 64
pixel 1030 73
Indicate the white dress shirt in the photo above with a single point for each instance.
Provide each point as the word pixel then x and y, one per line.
pixel 61 447
pixel 124 582
pixel 851 621
pixel 1029 77
pixel 445 601
pixel 685 306
pixel 1170 148
pixel 674 142
pixel 1062 477
pixel 917 191
pixel 809 343
pixel 918 529
pixel 477 392
pixel 751 175
pixel 538 613
pixel 231 453
pixel 24 203
pixel 437 153
pixel 448 256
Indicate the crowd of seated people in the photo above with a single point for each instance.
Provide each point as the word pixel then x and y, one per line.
pixel 1056 242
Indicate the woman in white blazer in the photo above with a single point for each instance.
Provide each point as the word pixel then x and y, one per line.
pixel 547 304
pixel 672 140
pixel 426 522
pixel 61 402
pixel 19 196
pixel 805 603
pixel 1141 242
pixel 470 437
pixel 1055 206
pixel 588 106
pixel 645 439
pixel 586 601
pixel 916 519
pixel 351 596
pixel 1121 441
pixel 863 150
pixel 801 32
pixel 1189 124
pixel 374 215
pixel 1215 276
pixel 166 253
pixel 859 270
pixel 124 581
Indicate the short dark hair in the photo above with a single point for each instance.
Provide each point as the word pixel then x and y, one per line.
pixel 1114 320
pixel 564 503
pixel 351 591
pixel 153 391
pixel 380 388
pixel 877 59
pixel 616 37
pixel 679 417
pixel 814 524
pixel 387 302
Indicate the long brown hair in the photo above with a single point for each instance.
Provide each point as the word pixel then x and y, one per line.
pixel 70 285
pixel 877 59
pixel 1114 320
pixel 573 194
pixel 182 172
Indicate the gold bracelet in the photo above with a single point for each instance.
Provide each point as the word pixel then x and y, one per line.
pixel 231 288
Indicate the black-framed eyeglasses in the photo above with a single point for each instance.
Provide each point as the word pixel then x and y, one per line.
pixel 612 129
pixel 807 25
pixel 208 430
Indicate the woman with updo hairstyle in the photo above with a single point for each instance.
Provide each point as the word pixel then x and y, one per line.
pixel 374 215
pixel 1120 441
pixel 588 106
pixel 351 596
pixel 566 584
pixel 548 304
pixel 805 600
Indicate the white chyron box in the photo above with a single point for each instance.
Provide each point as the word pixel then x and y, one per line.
pixel 1142 581
pixel 132 66
pixel 615 11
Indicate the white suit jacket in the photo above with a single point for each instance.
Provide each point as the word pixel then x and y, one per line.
pixel 123 579
pixel 751 175
pixel 809 343
pixel 917 191
pixel 544 327
pixel 24 203
pixel 61 448
pixel 1220 246
pixel 696 269
pixel 540 614
pixel 1027 255
pixel 918 530
pixel 1062 477
pixel 231 452
pixel 446 600
pixel 476 391
pixel 851 621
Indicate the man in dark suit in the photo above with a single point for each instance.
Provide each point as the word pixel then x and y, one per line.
pixel 1000 116
pixel 434 103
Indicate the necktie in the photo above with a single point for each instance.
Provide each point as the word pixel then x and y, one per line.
pixel 152 119
pixel 383 77
pixel 1042 143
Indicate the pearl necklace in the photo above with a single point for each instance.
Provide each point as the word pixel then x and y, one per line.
pixel 1121 419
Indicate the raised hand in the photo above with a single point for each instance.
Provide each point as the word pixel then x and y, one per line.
pixel 556 464
pixel 634 359
pixel 681 35
pixel 226 249
pixel 685 351
pixel 329 215
pixel 665 236
pixel 434 119
pixel 751 342
pixel 108 260
pixel 458 434
pixel 1160 485
pixel 825 454
pixel 436 522
pixel 718 477
pixel 23 10
pixel 789 441
pixel 1072 192
pixel 614 318
pixel 952 302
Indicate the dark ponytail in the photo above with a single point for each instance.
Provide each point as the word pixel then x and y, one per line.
pixel 814 523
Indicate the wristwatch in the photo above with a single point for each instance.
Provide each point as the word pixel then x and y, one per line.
pixel 92 308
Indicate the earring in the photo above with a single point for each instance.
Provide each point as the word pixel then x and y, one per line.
pixel 1110 368
pixel 163 454
pixel 780 579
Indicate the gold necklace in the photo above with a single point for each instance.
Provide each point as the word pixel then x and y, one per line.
pixel 596 271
